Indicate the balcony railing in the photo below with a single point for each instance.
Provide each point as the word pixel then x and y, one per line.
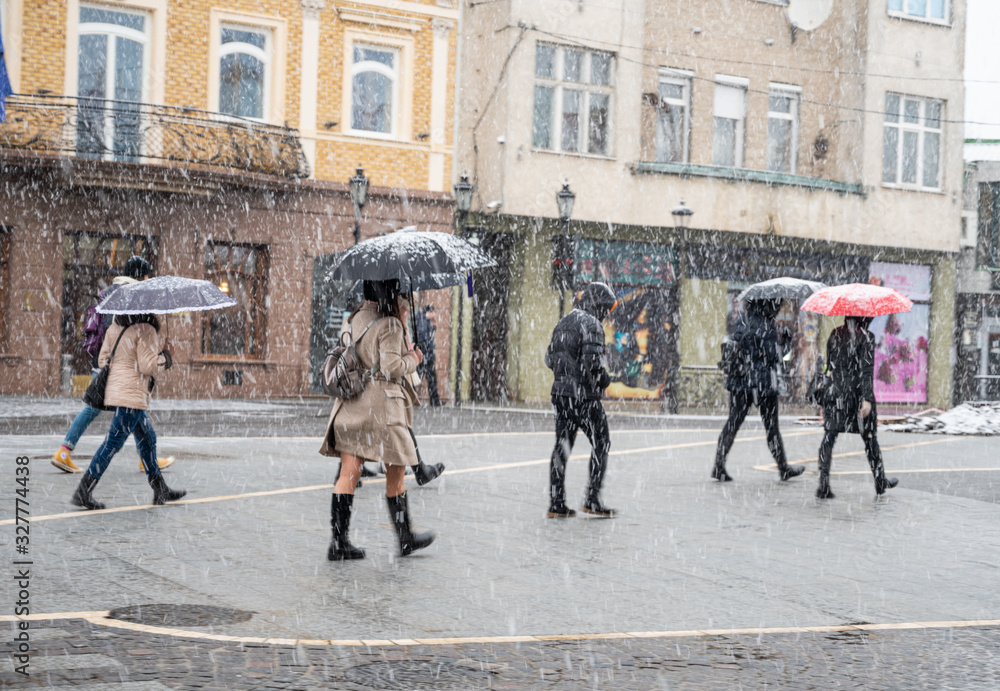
pixel 108 130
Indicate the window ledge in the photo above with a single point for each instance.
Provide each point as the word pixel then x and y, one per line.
pixel 923 20
pixel 913 188
pixel 227 360
pixel 575 154
pixel 747 175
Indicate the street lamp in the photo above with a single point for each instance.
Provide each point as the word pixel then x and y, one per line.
pixel 563 248
pixel 565 199
pixel 682 216
pixel 359 195
pixel 463 190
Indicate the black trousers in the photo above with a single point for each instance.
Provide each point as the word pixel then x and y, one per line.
pixel 429 374
pixel 869 426
pixel 573 415
pixel 739 405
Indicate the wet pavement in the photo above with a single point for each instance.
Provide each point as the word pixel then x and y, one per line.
pixel 752 584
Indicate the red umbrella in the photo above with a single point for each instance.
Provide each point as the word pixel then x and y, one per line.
pixel 857 300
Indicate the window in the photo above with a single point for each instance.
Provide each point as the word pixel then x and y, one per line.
pixel 241 272
pixel 244 71
pixel 110 81
pixel 988 238
pixel 782 128
pixel 374 89
pixel 673 123
pixel 919 9
pixel 730 113
pixel 573 91
pixel 911 142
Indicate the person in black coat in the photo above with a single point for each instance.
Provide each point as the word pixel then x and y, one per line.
pixel 426 327
pixel 576 357
pixel 848 400
pixel 753 380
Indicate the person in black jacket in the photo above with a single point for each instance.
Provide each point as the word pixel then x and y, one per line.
pixel 576 357
pixel 849 400
pixel 753 380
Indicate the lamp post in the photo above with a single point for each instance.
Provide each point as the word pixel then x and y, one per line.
pixel 359 196
pixel 564 250
pixel 463 190
pixel 682 216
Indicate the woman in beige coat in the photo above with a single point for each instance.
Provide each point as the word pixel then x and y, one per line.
pixel 375 426
pixel 138 354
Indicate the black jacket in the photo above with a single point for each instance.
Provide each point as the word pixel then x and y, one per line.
pixel 759 353
pixel 576 352
pixel 851 367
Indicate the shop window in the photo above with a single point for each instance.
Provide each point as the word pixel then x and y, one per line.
pixel 241 272
pixel 572 108
pixel 111 77
pixel 374 89
pixel 729 120
pixel 911 142
pixel 928 10
pixel 782 128
pixel 988 237
pixel 244 71
pixel 673 118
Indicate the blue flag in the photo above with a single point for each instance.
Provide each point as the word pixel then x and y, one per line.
pixel 5 89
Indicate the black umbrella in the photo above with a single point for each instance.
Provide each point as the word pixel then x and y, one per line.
pixel 165 295
pixel 781 288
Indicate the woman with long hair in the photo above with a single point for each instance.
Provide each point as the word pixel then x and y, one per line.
pixel 375 426
pixel 139 352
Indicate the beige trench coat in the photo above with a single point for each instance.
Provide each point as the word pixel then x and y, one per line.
pixel 136 360
pixel 376 424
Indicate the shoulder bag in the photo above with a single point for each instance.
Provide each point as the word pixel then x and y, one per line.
pixel 94 395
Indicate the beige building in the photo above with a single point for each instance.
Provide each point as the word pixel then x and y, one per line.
pixel 812 139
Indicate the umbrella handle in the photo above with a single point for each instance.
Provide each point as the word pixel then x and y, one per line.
pixel 413 318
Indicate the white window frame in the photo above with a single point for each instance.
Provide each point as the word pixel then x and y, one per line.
pixel 265 55
pixel 559 84
pixel 795 94
pixel 683 79
pixel 743 85
pixel 921 129
pixel 905 12
pixel 274 88
pixel 402 114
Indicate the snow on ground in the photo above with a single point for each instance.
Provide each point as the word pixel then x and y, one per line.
pixel 968 418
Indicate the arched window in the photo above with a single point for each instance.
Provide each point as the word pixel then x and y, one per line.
pixel 244 72
pixel 374 87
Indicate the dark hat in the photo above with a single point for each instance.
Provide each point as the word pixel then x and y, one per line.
pixel 137 268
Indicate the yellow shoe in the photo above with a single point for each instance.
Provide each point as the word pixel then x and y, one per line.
pixel 162 462
pixel 61 460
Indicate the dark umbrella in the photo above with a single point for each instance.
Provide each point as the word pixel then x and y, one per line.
pixel 781 288
pixel 165 295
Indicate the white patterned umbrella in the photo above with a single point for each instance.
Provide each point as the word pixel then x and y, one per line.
pixel 165 295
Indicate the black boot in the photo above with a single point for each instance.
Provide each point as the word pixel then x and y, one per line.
pixel 789 471
pixel 162 494
pixel 594 507
pixel 409 541
pixel 425 472
pixel 719 472
pixel 340 520
pixel 882 483
pixel 823 491
pixel 82 496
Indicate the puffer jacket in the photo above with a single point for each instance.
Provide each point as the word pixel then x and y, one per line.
pixel 576 353
pixel 137 359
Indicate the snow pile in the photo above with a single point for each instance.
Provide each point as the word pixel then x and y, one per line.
pixel 968 418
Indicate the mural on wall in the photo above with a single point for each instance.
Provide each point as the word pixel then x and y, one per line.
pixel 901 340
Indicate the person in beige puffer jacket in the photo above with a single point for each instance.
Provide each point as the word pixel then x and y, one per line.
pixel 136 351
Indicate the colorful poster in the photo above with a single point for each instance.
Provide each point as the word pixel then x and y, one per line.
pixel 628 263
pixel 912 280
pixel 901 340
pixel 641 344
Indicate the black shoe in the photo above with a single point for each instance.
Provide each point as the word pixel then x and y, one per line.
pixel 719 473
pixel 162 494
pixel 82 496
pixel 340 520
pixel 409 541
pixel 595 508
pixel 884 484
pixel 790 471
pixel 824 491
pixel 560 511
pixel 425 473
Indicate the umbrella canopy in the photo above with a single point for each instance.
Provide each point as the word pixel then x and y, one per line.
pixel 857 300
pixel 411 257
pixel 165 295
pixel 781 288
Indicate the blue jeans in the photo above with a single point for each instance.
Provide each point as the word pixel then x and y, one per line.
pixel 125 422
pixel 80 424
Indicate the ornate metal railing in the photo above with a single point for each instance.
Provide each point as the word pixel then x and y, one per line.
pixel 126 131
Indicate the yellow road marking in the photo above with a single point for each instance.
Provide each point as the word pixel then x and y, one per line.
pixel 845 454
pixel 101 619
pixel 314 488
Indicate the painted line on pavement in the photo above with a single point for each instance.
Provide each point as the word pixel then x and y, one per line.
pixel 771 467
pixel 101 619
pixel 313 488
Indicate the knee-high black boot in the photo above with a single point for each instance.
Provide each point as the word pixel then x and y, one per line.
pixel 340 520
pixel 425 472
pixel 161 493
pixel 83 495
pixel 409 541
pixel 823 491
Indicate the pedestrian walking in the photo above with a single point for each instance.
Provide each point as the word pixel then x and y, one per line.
pixel 375 426
pixel 138 351
pixel 752 379
pixel 95 327
pixel 576 357
pixel 426 328
pixel 848 400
